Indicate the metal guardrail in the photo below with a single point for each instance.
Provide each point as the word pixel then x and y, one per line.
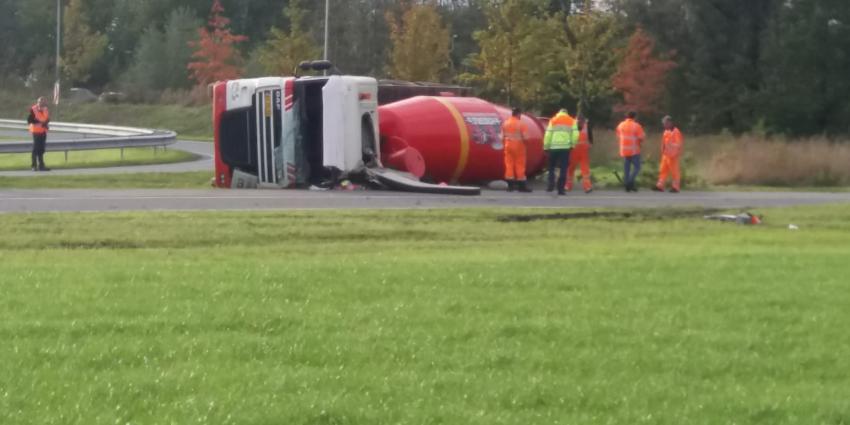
pixel 106 137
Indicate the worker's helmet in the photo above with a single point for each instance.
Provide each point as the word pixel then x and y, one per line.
pixel 516 111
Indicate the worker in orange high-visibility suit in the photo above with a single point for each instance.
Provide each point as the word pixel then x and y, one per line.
pixel 580 156
pixel 631 137
pixel 671 149
pixel 514 135
pixel 38 120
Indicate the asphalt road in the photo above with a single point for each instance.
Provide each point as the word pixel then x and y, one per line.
pixel 12 200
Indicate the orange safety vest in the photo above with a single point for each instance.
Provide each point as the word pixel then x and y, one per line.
pixel 631 135
pixel 42 115
pixel 671 144
pixel 514 130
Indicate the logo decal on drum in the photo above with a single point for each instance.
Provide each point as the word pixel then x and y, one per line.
pixel 485 129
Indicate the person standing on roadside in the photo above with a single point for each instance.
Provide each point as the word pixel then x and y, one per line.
pixel 580 156
pixel 514 135
pixel 631 137
pixel 671 150
pixel 39 121
pixel 561 136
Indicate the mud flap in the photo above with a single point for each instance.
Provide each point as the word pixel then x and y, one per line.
pixel 404 182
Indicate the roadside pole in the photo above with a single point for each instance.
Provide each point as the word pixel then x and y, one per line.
pixel 327 20
pixel 57 87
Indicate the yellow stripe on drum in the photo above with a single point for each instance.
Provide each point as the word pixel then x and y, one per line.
pixel 464 138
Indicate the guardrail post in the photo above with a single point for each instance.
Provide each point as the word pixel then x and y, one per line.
pixel 66 156
pixel 122 154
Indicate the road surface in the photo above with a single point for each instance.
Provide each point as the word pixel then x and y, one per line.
pixel 15 200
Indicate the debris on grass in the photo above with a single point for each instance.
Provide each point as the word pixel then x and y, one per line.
pixel 742 218
pixel 642 214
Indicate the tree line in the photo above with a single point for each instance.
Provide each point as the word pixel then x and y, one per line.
pixel 768 66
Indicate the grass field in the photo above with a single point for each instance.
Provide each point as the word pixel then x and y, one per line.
pixel 96 159
pixel 187 180
pixel 423 317
pixel 190 122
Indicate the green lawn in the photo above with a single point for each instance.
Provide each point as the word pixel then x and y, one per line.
pixel 96 158
pixel 187 180
pixel 190 122
pixel 423 317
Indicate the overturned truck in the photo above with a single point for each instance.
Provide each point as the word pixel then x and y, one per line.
pixel 291 132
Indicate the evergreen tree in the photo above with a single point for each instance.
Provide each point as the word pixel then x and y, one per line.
pixel 805 84
pixel 180 32
pixel 146 77
pixel 160 62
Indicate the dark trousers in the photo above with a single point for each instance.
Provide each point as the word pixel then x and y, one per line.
pixel 559 158
pixel 631 169
pixel 39 145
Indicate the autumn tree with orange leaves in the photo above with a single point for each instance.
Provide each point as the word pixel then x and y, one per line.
pixel 641 75
pixel 216 59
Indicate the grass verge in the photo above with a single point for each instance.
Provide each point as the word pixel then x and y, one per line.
pixel 190 122
pixel 445 317
pixel 97 159
pixel 187 180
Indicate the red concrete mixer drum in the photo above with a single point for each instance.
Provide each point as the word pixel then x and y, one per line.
pixel 452 139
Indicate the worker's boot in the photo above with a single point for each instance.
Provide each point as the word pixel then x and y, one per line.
pixel 674 190
pixel 41 166
pixel 511 185
pixel 658 188
pixel 523 186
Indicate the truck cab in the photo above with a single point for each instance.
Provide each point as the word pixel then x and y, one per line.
pixel 287 132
